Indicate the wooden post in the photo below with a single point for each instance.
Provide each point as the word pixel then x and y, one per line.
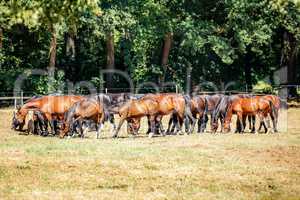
pixel 105 90
pixel 15 103
pixel 22 100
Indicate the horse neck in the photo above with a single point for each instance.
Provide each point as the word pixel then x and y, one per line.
pixel 25 108
pixel 69 114
pixel 31 105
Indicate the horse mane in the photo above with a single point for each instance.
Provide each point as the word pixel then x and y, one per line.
pixel 33 98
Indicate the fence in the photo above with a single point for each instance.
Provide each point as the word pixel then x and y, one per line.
pixel 8 99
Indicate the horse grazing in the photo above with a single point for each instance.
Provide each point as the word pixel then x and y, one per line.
pixel 277 104
pixel 136 109
pixel 53 108
pixel 176 104
pixel 248 107
pixel 91 108
pixel 198 107
pixel 220 111
pixel 38 124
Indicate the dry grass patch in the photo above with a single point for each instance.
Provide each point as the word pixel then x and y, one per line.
pixel 206 166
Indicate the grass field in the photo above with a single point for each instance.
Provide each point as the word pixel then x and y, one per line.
pixel 206 166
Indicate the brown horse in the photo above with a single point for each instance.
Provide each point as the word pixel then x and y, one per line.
pixel 135 109
pixel 172 103
pixel 277 104
pixel 199 108
pixel 53 107
pixel 248 107
pixel 87 109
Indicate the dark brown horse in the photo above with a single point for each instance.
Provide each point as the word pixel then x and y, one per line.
pixel 53 107
pixel 248 107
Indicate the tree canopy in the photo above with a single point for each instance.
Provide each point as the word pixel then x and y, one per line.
pixel 243 41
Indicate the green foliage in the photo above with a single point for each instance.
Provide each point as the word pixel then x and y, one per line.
pixel 263 87
pixel 212 38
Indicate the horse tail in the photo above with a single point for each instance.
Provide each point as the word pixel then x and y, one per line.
pixel 273 109
pixel 205 106
pixel 216 111
pixel 187 106
pixel 229 102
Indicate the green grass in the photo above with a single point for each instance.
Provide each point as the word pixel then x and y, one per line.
pixel 221 166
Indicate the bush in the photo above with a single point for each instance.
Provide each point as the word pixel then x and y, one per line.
pixel 263 87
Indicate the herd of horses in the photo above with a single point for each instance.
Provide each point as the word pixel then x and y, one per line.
pixel 70 115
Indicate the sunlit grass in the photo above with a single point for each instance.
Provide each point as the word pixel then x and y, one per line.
pixel 206 166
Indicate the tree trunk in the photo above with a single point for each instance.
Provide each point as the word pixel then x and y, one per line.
pixel 70 44
pixel 1 38
pixel 289 61
pixel 52 52
pixel 248 76
pixel 165 55
pixel 110 58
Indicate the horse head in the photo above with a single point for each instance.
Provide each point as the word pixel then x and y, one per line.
pixel 214 126
pixel 227 126
pixel 133 125
pixel 19 117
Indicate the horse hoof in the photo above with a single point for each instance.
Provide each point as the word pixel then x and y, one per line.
pixel 150 135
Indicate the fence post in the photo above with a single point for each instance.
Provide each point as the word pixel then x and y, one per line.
pixel 176 89
pixel 105 90
pixel 15 103
pixel 22 100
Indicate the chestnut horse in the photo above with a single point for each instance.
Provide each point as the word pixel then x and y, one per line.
pixel 91 108
pixel 52 107
pixel 277 104
pixel 248 107
pixel 176 104
pixel 135 109
pixel 220 111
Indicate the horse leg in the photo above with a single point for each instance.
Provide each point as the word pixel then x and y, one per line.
pixel 238 127
pixel 253 124
pixel 199 125
pixel 174 124
pixel 244 120
pixel 152 125
pixel 149 125
pixel 240 120
pixel 202 123
pixel 274 121
pixel 187 124
pixel 112 121
pixel 163 132
pixel 266 120
pixel 250 122
pixel 180 122
pixel 52 125
pixel 115 133
pixel 222 123
pixel 98 129
pixel 83 128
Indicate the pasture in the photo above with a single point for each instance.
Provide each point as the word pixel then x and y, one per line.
pixel 205 166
